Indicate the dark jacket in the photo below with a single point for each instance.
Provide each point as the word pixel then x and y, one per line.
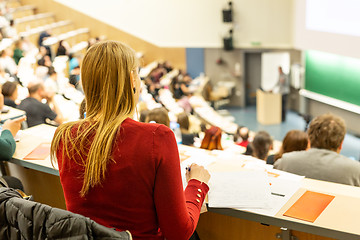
pixel 23 219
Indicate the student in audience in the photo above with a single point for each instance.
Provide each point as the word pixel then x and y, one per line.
pixel 82 109
pixel 74 78
pixel 158 115
pixel 18 52
pixel 143 115
pixel 180 87
pixel 74 61
pixel 186 136
pixel 43 36
pixel 36 111
pixel 261 145
pixel 7 62
pixel 1 100
pixel 63 48
pixel 323 160
pixel 10 92
pixel 51 84
pixel 110 162
pixel 295 140
pixel 10 31
pixel 212 139
pixel 241 136
pixel 7 142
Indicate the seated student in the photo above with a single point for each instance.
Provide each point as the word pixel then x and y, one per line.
pixel 158 115
pixel 82 109
pixel 241 136
pixel 186 136
pixel 36 111
pixel 18 52
pixel 180 88
pixel 74 77
pixel 295 140
pixel 212 139
pixel 51 83
pixel 7 141
pixel 323 160
pixel 119 172
pixel 10 92
pixel 143 115
pixel 63 48
pixel 7 62
pixel 261 145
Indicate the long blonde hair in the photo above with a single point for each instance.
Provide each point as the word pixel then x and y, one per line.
pixel 110 99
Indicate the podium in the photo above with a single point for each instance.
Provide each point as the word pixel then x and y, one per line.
pixel 268 107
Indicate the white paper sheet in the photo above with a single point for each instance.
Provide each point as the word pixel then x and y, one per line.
pixel 241 189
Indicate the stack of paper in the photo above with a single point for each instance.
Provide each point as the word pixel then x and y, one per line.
pixel 241 189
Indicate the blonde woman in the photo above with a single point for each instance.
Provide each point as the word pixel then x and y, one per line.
pixel 122 173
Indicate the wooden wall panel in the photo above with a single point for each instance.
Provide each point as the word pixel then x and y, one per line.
pixel 213 226
pixel 176 56
pixel 44 187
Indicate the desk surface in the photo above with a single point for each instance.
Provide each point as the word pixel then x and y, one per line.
pixel 29 140
pixel 338 220
pixel 13 113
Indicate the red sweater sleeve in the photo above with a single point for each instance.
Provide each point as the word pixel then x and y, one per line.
pixel 178 213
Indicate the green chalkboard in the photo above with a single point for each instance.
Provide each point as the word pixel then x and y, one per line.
pixel 333 76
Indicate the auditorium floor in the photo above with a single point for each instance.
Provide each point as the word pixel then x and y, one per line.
pixel 247 117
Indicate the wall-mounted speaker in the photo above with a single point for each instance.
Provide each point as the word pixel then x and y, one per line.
pixel 228 43
pixel 227 15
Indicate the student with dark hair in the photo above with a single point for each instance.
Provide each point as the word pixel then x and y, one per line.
pixel 186 136
pixel 143 115
pixel 158 115
pixel 36 111
pixel 63 48
pixel 10 92
pixel 82 109
pixel 261 145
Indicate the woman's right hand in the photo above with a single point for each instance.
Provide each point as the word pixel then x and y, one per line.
pixel 198 172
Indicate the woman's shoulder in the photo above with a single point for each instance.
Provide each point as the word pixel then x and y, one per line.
pixel 146 127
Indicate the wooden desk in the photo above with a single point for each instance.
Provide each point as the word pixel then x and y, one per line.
pixel 339 219
pixel 39 177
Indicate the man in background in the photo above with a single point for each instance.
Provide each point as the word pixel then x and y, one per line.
pixel 323 160
pixel 36 111
pixel 283 87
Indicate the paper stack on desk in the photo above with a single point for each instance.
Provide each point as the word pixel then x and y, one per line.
pixel 242 182
pixel 241 189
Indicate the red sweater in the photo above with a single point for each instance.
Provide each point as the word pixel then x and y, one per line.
pixel 142 191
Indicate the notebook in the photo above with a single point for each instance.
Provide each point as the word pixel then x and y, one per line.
pixel 309 206
pixel 41 152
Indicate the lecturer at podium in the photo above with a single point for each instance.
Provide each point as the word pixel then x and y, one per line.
pixel 282 87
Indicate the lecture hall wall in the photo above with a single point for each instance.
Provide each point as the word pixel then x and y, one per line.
pixel 189 23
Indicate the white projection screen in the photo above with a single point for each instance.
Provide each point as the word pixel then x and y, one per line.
pixel 333 16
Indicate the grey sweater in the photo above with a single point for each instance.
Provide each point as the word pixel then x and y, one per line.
pixel 321 164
